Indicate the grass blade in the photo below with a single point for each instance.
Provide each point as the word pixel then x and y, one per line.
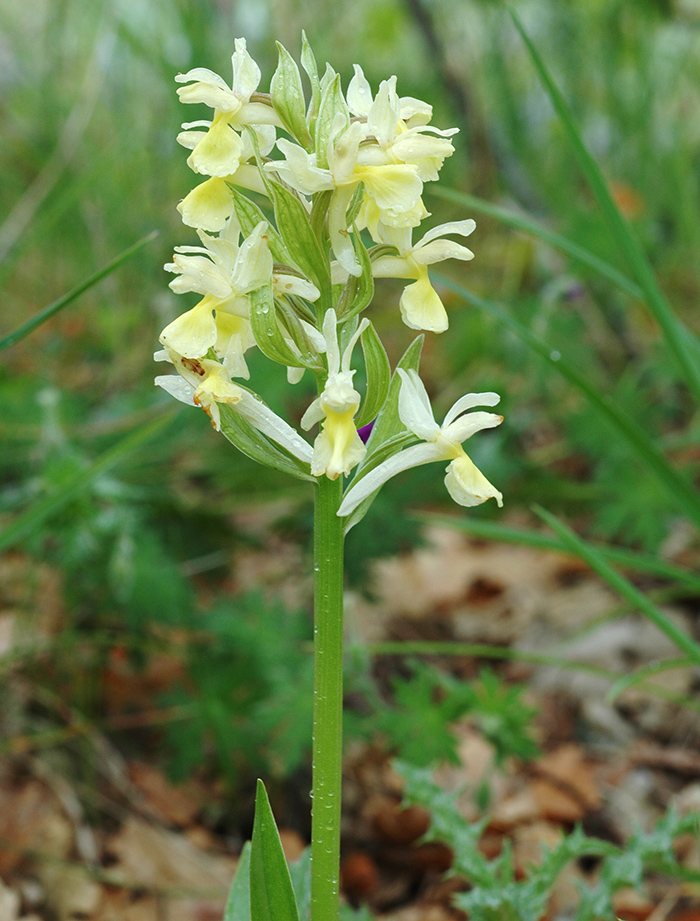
pixel 640 268
pixel 637 677
pixel 619 583
pixel 630 559
pixel 27 521
pixel 26 328
pixel 680 490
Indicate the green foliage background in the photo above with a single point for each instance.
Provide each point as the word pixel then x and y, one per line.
pixel 90 165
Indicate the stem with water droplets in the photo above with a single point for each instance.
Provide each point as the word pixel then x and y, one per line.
pixel 328 700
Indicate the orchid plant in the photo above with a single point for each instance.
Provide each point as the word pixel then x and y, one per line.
pixel 341 179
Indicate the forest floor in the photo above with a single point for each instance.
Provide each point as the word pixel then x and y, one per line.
pixel 148 850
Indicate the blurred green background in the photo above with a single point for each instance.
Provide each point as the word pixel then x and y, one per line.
pixel 90 165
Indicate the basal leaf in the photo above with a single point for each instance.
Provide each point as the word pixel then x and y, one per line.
pixel 271 893
pixel 238 901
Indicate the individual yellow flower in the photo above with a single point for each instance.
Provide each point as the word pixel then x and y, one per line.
pixel 225 273
pixel 205 383
pixel 464 481
pixel 199 382
pixel 220 150
pixel 399 126
pixel 338 448
pixel 210 204
pixel 420 304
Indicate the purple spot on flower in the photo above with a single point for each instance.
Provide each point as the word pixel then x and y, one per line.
pixel 365 431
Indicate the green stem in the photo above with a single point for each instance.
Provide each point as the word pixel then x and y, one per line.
pixel 328 701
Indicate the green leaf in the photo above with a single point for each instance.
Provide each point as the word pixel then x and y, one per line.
pixel 388 422
pixel 26 328
pixel 555 240
pixel 299 239
pixel 673 332
pixel 288 98
pixel 249 441
pixel 289 317
pixel 263 319
pixel 641 675
pixel 388 433
pixel 332 102
pixel 378 376
pixel 238 901
pixel 300 871
pixel 308 62
pixel 271 892
pixel 358 291
pixel 249 216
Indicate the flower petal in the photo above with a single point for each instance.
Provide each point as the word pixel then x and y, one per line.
pixel 415 410
pixel 469 401
pixel 439 250
pixel 218 152
pixel 338 448
pixel 270 424
pixel 421 307
pixel 462 228
pixel 404 460
pixel 359 94
pixel 246 73
pixel 467 425
pixel 208 205
pixel 176 387
pixel 467 485
pixel 192 334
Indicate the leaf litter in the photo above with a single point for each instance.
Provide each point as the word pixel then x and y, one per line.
pixel 162 851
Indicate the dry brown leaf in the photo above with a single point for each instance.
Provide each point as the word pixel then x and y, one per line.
pixel 173 805
pixel 359 876
pixel 162 859
pixel 31 820
pixel 121 905
pixel 566 789
pixel 631 905
pixel 70 892
pixel 529 842
pixel 514 810
pixel 672 758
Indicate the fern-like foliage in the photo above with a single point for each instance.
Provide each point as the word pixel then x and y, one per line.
pixel 496 895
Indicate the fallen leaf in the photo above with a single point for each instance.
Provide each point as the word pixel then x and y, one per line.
pixel 173 805
pixel 156 858
pixel 565 788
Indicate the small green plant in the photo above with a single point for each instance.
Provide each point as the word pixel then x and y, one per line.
pixel 496 894
pixel 418 724
pixel 248 692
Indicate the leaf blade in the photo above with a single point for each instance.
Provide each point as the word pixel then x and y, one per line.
pixel 271 893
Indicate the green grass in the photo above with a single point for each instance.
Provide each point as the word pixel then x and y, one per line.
pixel 578 161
